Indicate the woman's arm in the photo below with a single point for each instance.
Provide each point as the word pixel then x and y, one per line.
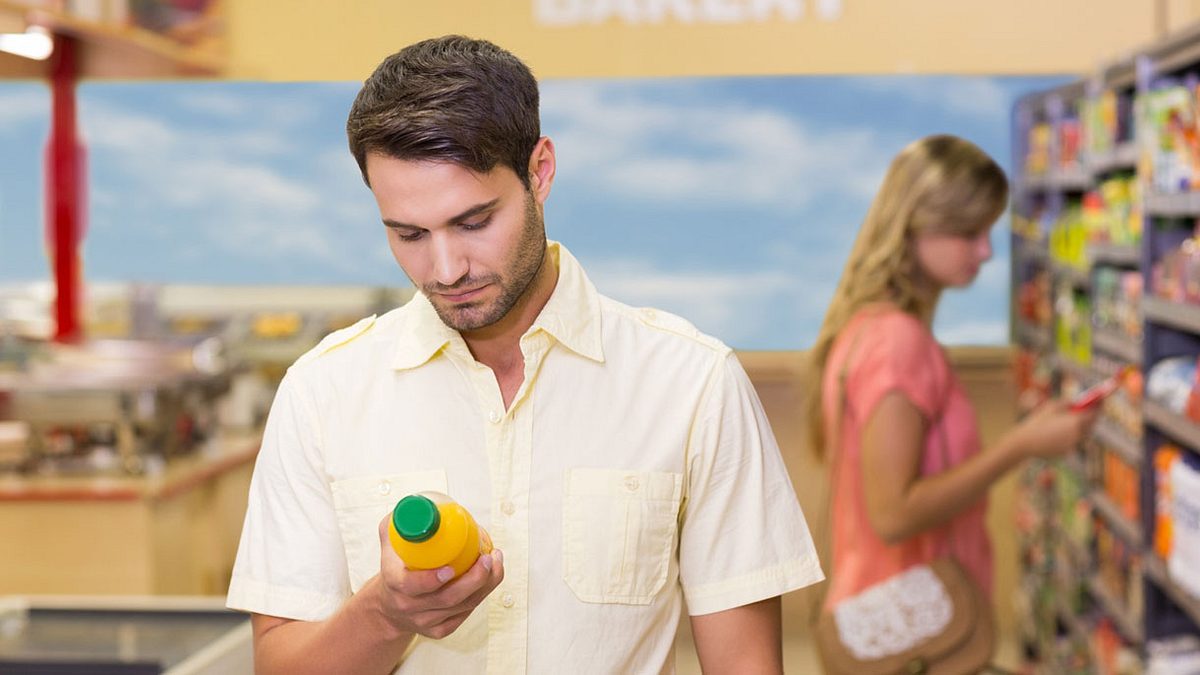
pixel 901 503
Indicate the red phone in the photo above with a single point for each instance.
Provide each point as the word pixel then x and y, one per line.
pixel 1098 392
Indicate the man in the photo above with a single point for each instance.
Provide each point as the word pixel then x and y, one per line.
pixel 619 458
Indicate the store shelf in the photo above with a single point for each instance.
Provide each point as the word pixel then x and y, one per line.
pixel 1077 277
pixel 1178 315
pixel 1123 157
pixel 1167 328
pixel 108 50
pixel 1071 620
pixel 1181 205
pixel 1078 554
pixel 1127 530
pixel 1076 179
pixel 1076 551
pixel 1115 343
pixel 1079 371
pixel 1034 249
pixel 1129 626
pixel 1155 568
pixel 1036 337
pixel 1114 254
pixel 1074 463
pixel 1182 429
pixel 1119 442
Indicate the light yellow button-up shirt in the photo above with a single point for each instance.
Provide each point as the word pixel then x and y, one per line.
pixel 634 470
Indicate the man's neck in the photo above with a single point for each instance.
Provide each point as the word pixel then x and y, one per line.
pixel 498 346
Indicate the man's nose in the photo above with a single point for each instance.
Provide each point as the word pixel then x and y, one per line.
pixel 449 260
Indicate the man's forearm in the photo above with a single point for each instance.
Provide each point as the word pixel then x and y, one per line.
pixel 742 640
pixel 356 640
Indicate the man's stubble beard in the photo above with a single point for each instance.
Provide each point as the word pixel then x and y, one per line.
pixel 516 282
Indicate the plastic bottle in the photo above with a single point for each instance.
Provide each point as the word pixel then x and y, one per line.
pixel 429 530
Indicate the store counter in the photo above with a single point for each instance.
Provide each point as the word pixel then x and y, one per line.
pixel 123 635
pixel 172 532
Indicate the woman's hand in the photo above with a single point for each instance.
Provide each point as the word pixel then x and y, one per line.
pixel 1053 429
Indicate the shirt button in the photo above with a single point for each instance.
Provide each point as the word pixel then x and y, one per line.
pixel 507 600
pixel 494 417
pixel 507 507
pixel 649 314
pixel 385 488
pixel 631 483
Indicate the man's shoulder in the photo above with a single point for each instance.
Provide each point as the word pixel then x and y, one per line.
pixel 338 339
pixel 662 325
pixel 359 338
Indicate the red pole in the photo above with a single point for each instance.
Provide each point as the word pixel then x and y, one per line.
pixel 64 191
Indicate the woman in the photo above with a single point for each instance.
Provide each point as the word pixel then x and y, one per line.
pixel 909 474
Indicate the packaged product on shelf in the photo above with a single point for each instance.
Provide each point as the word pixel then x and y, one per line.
pixel 1069 236
pixel 1171 123
pixel 1184 559
pixel 1119 222
pixel 1164 458
pixel 1033 299
pixel 1106 284
pixel 1113 655
pixel 1129 305
pixel 1098 115
pixel 1068 143
pixel 1121 485
pixel 1178 655
pixel 1116 295
pixel 1073 328
pixel 1094 217
pixel 1170 382
pixel 1176 276
pixel 1037 161
pixel 1033 380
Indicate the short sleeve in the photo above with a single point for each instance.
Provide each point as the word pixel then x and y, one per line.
pixel 895 352
pixel 743 535
pixel 290 560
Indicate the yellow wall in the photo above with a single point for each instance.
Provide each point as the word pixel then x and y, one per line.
pixel 322 40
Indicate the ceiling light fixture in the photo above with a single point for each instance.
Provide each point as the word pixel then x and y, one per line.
pixel 35 43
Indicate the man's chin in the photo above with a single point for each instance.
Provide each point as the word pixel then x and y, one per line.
pixel 464 317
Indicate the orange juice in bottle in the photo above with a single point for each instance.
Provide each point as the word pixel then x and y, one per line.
pixel 429 530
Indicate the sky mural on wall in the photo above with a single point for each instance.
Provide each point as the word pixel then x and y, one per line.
pixel 730 201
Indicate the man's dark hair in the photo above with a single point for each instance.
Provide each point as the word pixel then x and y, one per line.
pixel 452 99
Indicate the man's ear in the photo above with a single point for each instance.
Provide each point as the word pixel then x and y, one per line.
pixel 542 164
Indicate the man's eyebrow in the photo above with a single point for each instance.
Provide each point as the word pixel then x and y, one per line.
pixel 474 210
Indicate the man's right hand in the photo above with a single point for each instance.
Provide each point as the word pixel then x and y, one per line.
pixel 430 602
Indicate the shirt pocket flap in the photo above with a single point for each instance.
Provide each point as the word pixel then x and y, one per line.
pixel 370 491
pixel 362 502
pixel 620 528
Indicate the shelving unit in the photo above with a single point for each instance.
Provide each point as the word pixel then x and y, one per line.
pixel 1073 254
pixel 82 49
pixel 107 50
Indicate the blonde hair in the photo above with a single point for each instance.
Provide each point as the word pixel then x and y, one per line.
pixel 937 185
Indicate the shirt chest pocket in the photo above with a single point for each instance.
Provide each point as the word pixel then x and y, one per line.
pixel 619 533
pixel 362 502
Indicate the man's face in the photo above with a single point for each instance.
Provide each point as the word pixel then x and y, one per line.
pixel 473 243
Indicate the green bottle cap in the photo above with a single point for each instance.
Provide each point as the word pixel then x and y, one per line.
pixel 416 518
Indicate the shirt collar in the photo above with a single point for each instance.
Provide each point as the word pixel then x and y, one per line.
pixel 571 316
